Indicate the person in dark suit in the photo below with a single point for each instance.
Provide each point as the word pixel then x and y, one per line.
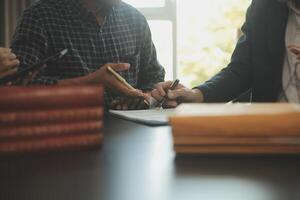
pixel 265 60
pixel 8 62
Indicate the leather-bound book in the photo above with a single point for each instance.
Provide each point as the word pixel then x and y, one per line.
pixel 49 97
pixel 47 118
pixel 232 141
pixel 45 130
pixel 268 128
pixel 237 120
pixel 79 141
pixel 51 116
pixel 237 149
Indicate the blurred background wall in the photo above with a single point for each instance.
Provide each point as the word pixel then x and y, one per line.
pixel 10 11
pixel 1 23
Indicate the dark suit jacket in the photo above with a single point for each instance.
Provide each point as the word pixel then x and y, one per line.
pixel 257 61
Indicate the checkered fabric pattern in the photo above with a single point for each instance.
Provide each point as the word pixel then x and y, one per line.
pixel 50 26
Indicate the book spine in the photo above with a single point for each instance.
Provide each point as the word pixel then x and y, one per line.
pixel 51 116
pixel 181 140
pixel 13 133
pixel 23 98
pixel 227 149
pixel 284 125
pixel 81 141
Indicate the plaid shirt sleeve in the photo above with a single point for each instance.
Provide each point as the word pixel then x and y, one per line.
pixel 30 45
pixel 151 71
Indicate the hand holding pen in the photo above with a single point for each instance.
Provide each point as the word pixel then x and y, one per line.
pixel 135 102
pixel 163 101
pixel 171 93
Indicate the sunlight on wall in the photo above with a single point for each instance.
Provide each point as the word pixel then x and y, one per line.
pixel 207 32
pixel 163 40
pixel 146 3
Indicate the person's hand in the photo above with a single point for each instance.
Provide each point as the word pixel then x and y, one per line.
pixel 129 103
pixel 110 82
pixel 295 49
pixel 179 95
pixel 30 76
pixel 132 102
pixel 8 62
pixel 103 76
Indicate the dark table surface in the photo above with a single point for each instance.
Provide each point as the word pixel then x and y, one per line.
pixel 137 162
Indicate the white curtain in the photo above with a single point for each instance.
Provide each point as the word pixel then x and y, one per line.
pixel 12 11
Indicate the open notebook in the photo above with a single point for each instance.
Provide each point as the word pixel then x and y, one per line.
pixel 152 117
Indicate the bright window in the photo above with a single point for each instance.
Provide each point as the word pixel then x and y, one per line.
pixel 163 39
pixel 146 3
pixel 194 38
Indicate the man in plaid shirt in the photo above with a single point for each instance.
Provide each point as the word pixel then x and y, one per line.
pixel 97 33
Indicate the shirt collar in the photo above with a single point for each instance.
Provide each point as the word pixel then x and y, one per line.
pixel 78 8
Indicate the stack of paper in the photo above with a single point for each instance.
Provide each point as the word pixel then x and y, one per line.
pixel 151 117
pixel 237 128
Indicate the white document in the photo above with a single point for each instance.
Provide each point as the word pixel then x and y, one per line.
pixel 154 117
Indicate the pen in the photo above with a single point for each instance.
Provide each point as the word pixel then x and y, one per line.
pixel 165 98
pixel 122 80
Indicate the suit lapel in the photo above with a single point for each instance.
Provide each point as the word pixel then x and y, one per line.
pixel 277 27
pixel 277 21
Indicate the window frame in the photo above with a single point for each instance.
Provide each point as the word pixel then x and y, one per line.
pixel 167 12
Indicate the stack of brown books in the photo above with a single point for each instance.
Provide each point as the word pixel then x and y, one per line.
pixel 237 128
pixel 50 118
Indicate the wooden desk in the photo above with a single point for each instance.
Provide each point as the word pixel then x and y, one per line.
pixel 137 163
